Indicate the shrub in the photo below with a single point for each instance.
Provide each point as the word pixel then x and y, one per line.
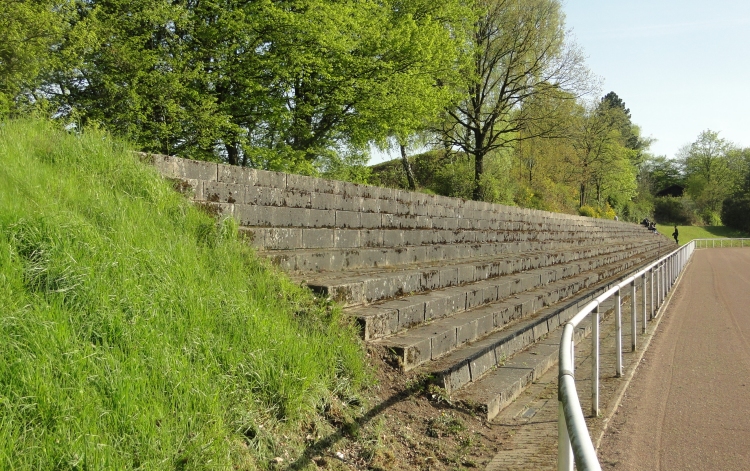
pixel 636 211
pixel 735 212
pixel 588 211
pixel 710 218
pixel 668 210
pixel 607 212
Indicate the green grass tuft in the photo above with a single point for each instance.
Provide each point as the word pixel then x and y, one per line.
pixel 135 331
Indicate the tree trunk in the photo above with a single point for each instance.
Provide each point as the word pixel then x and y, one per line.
pixel 407 169
pixel 233 154
pixel 582 198
pixel 478 171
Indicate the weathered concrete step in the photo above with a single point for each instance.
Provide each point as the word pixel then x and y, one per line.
pixel 470 363
pixel 501 386
pixel 492 392
pixel 367 286
pixel 431 341
pixel 326 260
pixel 294 238
pixel 255 215
pixel 389 317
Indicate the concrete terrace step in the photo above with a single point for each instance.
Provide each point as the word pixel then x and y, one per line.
pixel 495 390
pixel 393 316
pixel 472 362
pixel 296 238
pixel 322 260
pixel 440 337
pixel 252 215
pixel 367 286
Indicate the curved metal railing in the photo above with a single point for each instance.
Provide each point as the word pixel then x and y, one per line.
pixel 718 243
pixel 574 443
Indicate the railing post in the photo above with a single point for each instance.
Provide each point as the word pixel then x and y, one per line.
pixel 618 333
pixel 671 272
pixel 658 288
pixel 595 362
pixel 669 277
pixel 652 292
pixel 633 318
pixel 643 287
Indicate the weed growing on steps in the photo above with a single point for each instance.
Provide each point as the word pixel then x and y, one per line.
pixel 135 332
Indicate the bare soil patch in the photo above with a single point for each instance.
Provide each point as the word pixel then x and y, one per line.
pixel 408 423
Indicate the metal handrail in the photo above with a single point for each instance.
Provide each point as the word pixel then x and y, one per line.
pixel 574 442
pixel 703 243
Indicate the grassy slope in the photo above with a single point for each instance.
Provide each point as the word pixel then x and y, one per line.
pixel 688 233
pixel 135 332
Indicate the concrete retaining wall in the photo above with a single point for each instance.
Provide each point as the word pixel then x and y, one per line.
pixel 290 208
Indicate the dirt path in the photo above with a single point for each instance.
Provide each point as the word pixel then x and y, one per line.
pixel 688 406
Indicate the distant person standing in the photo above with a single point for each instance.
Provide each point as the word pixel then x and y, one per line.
pixel 675 234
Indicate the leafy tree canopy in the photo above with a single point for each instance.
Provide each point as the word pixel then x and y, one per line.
pixel 274 84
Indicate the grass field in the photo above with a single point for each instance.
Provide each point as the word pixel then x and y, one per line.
pixel 688 233
pixel 136 332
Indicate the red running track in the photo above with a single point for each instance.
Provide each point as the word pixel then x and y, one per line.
pixel 688 406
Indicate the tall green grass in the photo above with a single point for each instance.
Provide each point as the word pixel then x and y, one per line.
pixel 135 331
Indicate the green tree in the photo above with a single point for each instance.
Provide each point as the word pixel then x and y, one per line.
pixel 520 52
pixel 735 209
pixel 711 173
pixel 137 76
pixel 630 134
pixel 356 72
pixel 660 172
pixel 29 29
pixel 601 161
pixel 275 84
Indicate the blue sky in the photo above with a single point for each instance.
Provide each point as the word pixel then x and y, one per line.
pixel 680 66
